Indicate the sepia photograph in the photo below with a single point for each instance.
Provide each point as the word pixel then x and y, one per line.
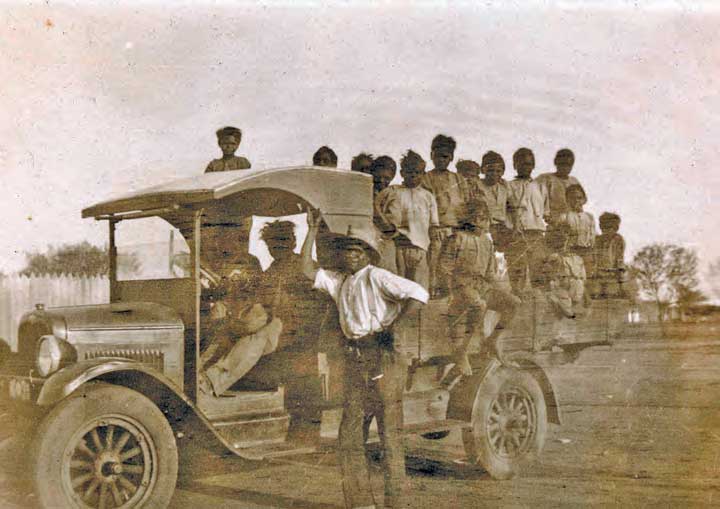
pixel 360 254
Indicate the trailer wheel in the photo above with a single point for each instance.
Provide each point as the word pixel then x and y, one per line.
pixel 509 423
pixel 105 446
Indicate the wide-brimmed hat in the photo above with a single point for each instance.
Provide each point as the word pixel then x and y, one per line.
pixel 367 237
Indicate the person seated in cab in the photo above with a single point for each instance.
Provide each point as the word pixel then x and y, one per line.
pixel 410 213
pixel 610 274
pixel 325 156
pixel 239 325
pixel 284 289
pixel 369 300
pixel 469 259
pixel 229 139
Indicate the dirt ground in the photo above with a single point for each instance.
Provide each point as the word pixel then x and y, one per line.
pixel 641 429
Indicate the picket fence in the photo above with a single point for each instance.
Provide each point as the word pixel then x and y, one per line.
pixel 20 294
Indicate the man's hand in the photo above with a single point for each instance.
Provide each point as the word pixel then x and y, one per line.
pixel 314 218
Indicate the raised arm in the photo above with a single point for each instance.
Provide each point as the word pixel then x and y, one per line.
pixel 314 218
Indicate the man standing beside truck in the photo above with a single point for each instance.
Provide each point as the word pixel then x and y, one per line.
pixel 369 300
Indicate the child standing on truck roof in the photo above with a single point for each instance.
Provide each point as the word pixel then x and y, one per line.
pixel 411 212
pixel 369 301
pixel 451 193
pixel 469 258
pixel 229 139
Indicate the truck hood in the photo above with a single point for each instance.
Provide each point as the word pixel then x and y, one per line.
pixel 120 315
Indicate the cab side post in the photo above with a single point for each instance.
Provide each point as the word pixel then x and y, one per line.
pixel 112 263
pixel 198 289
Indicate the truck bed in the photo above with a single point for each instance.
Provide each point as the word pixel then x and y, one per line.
pixel 536 327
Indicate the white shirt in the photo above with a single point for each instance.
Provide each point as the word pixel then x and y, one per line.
pixel 369 300
pixel 411 210
pixel 528 201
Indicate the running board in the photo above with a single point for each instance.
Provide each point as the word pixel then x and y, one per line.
pixel 280 450
pixel 436 426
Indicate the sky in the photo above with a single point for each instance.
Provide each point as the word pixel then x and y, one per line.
pixel 99 99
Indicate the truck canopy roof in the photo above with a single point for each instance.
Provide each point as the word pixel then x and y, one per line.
pixel 344 197
pixel 328 189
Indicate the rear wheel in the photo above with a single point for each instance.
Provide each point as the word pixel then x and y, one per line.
pixel 509 423
pixel 105 447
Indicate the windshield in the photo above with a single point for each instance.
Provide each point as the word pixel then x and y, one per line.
pixel 151 248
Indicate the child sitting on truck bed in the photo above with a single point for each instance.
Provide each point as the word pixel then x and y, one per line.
pixel 469 259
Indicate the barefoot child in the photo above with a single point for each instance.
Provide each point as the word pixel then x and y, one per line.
pixel 469 258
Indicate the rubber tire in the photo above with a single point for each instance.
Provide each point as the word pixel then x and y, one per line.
pixel 89 402
pixel 477 447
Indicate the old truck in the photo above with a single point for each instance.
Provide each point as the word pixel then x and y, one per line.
pixel 114 386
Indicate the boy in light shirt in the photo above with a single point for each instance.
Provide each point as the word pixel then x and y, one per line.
pixel 494 191
pixel 556 184
pixel 580 224
pixel 369 301
pixel 412 212
pixel 527 203
pixel 451 192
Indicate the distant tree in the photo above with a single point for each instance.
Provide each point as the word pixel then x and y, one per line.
pixel 80 259
pixel 667 274
pixel 688 298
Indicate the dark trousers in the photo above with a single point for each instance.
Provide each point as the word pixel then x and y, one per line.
pixel 524 255
pixel 365 391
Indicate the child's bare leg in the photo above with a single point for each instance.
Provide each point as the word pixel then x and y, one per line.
pixel 506 304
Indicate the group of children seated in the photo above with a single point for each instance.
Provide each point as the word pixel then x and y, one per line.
pixel 445 230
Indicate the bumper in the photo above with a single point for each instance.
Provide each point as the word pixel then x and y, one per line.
pixel 19 390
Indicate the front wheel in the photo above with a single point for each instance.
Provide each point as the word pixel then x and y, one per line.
pixel 108 447
pixel 509 423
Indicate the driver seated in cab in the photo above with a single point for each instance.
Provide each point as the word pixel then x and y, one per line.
pixel 240 327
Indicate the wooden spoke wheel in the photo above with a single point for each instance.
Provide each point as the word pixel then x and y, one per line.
pixel 107 447
pixel 509 423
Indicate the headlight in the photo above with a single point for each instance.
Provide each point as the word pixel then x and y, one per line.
pixel 49 354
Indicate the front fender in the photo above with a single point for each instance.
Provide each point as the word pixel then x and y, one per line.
pixel 462 396
pixel 182 413
pixel 67 380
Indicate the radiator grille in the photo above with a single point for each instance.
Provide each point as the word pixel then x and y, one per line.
pixel 151 357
